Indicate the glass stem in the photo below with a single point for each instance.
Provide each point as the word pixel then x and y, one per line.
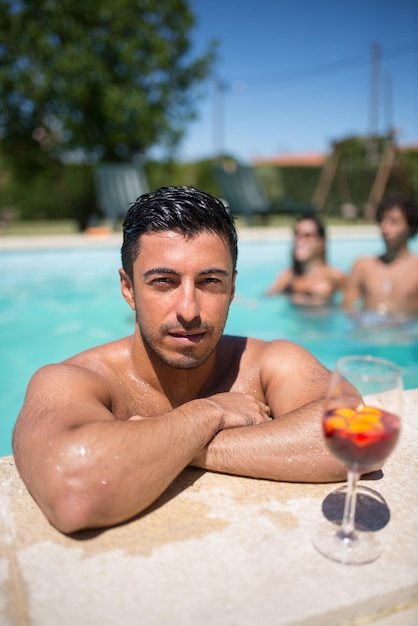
pixel 348 523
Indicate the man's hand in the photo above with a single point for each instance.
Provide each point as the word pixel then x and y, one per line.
pixel 241 409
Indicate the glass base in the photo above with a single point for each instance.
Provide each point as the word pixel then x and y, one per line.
pixel 358 548
pixel 372 511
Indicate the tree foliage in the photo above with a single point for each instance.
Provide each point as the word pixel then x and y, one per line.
pixel 105 79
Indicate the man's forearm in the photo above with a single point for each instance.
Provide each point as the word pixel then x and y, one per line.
pixel 87 484
pixel 272 451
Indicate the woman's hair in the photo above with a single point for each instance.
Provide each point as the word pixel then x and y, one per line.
pixel 297 266
pixel 406 205
pixel 185 210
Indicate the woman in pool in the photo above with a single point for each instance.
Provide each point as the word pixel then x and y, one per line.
pixel 310 281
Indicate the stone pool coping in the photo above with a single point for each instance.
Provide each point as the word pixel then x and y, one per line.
pixel 214 550
pixel 81 240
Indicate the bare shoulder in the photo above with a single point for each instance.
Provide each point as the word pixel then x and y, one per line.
pixel 336 272
pixel 279 355
pixel 337 277
pixel 289 374
pixel 364 266
pixel 100 357
pixel 51 381
pixel 91 365
pixel 82 379
pixel 286 274
pixel 365 262
pixel 414 260
pixel 285 355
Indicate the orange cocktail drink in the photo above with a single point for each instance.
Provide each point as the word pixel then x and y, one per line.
pixel 361 437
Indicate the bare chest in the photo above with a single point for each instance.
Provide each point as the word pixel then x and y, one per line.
pixel 393 284
pixel 319 283
pixel 136 397
pixel 393 279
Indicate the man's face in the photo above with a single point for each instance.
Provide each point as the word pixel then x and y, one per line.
pixel 394 228
pixel 181 292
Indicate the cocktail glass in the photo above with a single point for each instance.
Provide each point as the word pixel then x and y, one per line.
pixel 361 425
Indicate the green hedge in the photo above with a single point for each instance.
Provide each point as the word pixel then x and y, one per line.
pixel 59 192
pixel 67 192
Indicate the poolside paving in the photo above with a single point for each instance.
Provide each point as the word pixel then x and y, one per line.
pixel 82 240
pixel 214 550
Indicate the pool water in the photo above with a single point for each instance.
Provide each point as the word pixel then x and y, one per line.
pixel 328 333
pixel 55 303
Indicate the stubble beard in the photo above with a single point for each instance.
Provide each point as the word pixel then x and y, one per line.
pixel 189 358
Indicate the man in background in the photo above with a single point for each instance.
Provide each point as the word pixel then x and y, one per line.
pixel 388 284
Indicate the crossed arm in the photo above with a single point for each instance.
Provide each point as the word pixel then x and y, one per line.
pixel 290 447
pixel 87 469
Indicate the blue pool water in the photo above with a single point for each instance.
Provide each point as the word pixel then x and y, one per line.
pixel 54 303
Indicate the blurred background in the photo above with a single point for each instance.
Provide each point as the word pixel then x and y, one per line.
pixel 315 102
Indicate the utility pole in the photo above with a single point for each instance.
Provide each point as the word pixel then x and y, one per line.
pixel 388 104
pixel 374 103
pixel 219 118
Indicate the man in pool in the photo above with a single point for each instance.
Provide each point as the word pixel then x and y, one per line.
pixel 388 285
pixel 101 435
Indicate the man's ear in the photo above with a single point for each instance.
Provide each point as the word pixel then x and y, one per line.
pixel 127 288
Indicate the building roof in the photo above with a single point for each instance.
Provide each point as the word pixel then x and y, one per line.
pixel 308 159
pixel 312 159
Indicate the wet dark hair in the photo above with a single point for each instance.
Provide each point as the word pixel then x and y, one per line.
pixel 185 210
pixel 297 266
pixel 319 225
pixel 408 207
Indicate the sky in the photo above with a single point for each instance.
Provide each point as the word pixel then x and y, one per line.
pixel 294 76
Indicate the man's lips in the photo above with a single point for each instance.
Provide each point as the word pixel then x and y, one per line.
pixel 191 336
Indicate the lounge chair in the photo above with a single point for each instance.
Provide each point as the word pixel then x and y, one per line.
pixel 240 187
pixel 244 191
pixel 117 186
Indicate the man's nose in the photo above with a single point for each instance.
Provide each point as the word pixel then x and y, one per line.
pixel 188 303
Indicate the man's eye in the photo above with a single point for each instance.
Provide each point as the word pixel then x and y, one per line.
pixel 211 279
pixel 162 280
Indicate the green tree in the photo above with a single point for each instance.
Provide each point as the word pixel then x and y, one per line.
pixel 98 79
